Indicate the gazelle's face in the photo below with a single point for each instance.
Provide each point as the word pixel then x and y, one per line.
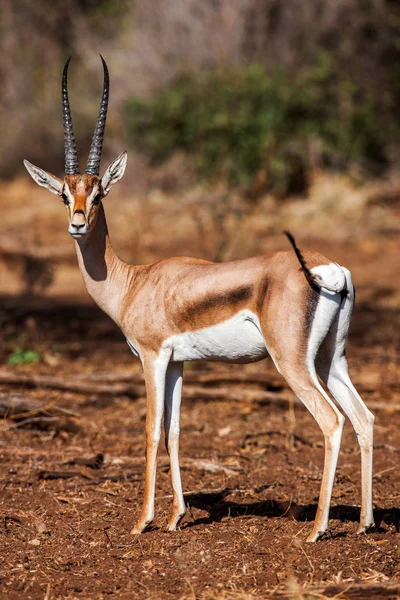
pixel 81 195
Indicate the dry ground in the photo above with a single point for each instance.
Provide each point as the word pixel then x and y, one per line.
pixel 250 509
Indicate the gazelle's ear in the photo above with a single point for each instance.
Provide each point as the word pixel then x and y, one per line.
pixel 114 172
pixel 45 179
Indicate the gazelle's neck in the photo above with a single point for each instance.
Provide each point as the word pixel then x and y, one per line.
pixel 107 278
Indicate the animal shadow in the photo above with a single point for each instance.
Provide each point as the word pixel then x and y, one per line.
pixel 218 506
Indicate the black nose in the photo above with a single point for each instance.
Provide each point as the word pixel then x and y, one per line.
pixel 78 226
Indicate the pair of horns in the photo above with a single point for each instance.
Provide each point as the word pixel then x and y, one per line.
pixel 71 154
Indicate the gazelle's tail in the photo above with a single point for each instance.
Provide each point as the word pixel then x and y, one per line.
pixel 328 277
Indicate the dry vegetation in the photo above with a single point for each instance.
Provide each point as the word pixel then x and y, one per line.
pixel 149 44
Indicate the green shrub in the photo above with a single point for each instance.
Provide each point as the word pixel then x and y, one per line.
pixel 20 357
pixel 247 124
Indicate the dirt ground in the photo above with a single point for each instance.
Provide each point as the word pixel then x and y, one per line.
pixel 71 488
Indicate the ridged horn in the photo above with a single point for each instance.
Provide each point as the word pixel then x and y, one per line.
pixel 71 154
pixel 93 161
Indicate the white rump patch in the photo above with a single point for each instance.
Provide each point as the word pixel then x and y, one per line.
pixel 237 340
pixel 330 277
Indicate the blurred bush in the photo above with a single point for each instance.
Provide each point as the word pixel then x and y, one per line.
pixel 149 43
pixel 267 130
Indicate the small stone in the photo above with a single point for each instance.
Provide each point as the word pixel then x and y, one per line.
pixel 34 542
pixel 224 431
pixel 40 526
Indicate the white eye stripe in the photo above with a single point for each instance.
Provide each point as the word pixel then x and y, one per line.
pixel 67 193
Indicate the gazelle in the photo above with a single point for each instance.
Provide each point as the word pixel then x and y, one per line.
pixel 294 307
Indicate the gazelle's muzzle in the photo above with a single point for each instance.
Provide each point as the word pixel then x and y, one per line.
pixel 78 225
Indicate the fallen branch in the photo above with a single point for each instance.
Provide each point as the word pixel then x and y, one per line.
pixel 193 392
pixel 201 464
pixel 18 405
pixel 223 491
pixel 387 447
pixel 72 385
pixel 139 465
pixel 253 436
pixel 26 411
pixel 90 387
pixel 59 423
pixel 235 395
pixel 349 591
pixel 94 462
pixel 386 406
pixel 207 465
pixel 194 376
pixel 59 474
pixel 120 478
pixel 272 381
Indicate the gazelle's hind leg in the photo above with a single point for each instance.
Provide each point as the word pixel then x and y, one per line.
pixel 294 351
pixel 332 368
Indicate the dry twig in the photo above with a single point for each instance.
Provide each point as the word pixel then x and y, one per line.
pixel 193 392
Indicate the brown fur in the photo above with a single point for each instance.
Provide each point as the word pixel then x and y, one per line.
pixel 86 182
pixel 154 302
pixel 81 186
pixel 181 300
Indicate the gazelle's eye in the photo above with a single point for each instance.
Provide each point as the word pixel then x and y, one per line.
pixel 65 199
pixel 96 199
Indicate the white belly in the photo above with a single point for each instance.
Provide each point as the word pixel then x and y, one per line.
pixel 237 340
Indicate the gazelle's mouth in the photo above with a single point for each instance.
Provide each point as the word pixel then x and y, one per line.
pixel 78 234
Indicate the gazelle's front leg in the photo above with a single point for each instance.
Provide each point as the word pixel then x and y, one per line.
pixel 173 397
pixel 155 368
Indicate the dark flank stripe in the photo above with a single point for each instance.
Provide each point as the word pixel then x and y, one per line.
pixel 241 294
pixel 236 296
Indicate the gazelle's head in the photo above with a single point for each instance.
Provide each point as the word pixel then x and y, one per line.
pixel 82 194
